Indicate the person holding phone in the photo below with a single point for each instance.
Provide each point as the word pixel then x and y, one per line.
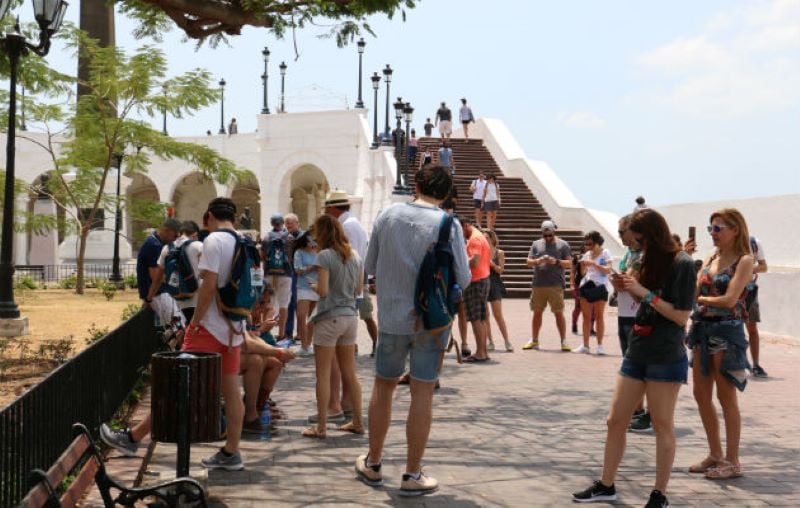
pixel 596 264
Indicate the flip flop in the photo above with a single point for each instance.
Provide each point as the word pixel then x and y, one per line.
pixel 703 466
pixel 349 427
pixel 312 432
pixel 724 470
pixel 472 359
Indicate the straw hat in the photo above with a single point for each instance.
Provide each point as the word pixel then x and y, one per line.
pixel 337 197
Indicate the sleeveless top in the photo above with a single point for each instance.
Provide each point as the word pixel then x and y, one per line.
pixel 491 192
pixel 717 285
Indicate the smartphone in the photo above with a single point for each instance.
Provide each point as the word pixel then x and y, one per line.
pixel 692 231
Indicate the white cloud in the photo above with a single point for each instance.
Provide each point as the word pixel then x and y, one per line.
pixel 746 61
pixel 581 120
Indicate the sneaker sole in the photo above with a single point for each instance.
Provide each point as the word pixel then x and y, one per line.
pixel 596 499
pixel 368 481
pixel 416 492
pixel 237 467
pixel 648 430
pixel 123 451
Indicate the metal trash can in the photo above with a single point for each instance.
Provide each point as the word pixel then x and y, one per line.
pixel 185 403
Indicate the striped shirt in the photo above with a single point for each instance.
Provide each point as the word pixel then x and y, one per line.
pixel 401 235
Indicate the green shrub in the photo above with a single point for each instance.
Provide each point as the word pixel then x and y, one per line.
pixel 131 282
pixel 108 289
pixel 68 282
pixel 58 350
pixel 25 282
pixel 130 310
pixel 96 334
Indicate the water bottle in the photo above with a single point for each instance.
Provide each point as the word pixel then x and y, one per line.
pixel 266 422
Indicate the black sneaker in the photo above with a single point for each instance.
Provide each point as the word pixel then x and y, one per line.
pixel 657 500
pixel 758 371
pixel 597 492
pixel 641 423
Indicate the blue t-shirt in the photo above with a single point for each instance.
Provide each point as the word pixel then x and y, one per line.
pixel 304 259
pixel 446 156
pixel 147 258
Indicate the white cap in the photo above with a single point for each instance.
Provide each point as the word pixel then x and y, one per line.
pixel 548 224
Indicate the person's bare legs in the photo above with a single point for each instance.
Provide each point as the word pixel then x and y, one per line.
pixel 561 324
pixel 323 359
pixel 586 310
pixel 272 371
pixel 726 394
pixel 599 323
pixel 304 309
pixel 283 315
pixel 234 411
pixel 479 329
pixel 335 401
pixel 536 324
pixel 141 429
pixel 491 218
pixel 497 312
pixel 252 369
pixel 626 394
pixel 347 364
pixel 418 425
pixel 478 216
pixel 661 399
pixel 703 390
pixel 380 415
pixel 462 325
pixel 754 339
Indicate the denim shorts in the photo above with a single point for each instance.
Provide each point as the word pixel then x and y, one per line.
pixel 426 351
pixel 665 373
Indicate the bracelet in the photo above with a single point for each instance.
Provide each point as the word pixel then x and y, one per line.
pixel 648 298
pixel 655 301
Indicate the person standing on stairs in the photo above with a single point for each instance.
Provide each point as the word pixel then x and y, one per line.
pixel 413 147
pixel 444 119
pixel 491 200
pixel 446 158
pixel 477 187
pixel 428 128
pixel 466 117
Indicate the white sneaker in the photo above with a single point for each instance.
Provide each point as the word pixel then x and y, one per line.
pixel 600 350
pixel 583 349
pixel 305 352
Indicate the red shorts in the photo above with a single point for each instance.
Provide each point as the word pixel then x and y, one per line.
pixel 199 339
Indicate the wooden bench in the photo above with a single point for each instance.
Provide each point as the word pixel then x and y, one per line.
pixel 82 455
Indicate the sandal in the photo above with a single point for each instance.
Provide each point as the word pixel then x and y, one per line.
pixel 465 352
pixel 472 359
pixel 724 470
pixel 350 427
pixel 704 465
pixel 313 432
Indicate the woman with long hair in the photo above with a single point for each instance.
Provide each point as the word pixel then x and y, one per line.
pixel 305 266
pixel 339 280
pixel 491 201
pixel 497 290
pixel 596 264
pixel 717 339
pixel 655 363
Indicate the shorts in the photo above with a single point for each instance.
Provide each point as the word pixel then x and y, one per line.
pixel 625 331
pixel 336 331
pixel 166 311
pixel 475 297
pixel 491 206
pixel 426 349
pixel 592 293
pixel 445 127
pixel 754 312
pixel 477 203
pixel 663 373
pixel 541 296
pixel 282 284
pixel 199 339
pixel 307 294
pixel 364 307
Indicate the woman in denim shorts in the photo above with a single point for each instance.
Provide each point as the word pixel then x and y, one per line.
pixel 718 341
pixel 655 363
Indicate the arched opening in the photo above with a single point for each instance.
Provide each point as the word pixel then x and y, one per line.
pixel 144 209
pixel 308 188
pixel 192 194
pixel 44 196
pixel 247 197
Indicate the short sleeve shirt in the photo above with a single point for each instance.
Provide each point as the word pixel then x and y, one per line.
pixel 664 344
pixel 342 283
pixel 446 157
pixel 303 259
pixel 193 251
pixel 592 273
pixel 217 258
pixel 545 275
pixel 477 244
pixel 444 114
pixel 479 186
pixel 147 258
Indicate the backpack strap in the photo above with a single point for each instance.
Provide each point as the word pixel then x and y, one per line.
pixel 231 329
pixel 444 228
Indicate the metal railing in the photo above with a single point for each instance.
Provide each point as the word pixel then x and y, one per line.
pixel 54 273
pixel 37 427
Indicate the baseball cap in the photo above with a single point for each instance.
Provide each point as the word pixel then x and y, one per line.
pixel 548 224
pixel 276 218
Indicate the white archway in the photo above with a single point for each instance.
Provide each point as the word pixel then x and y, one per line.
pixel 191 196
pixel 308 187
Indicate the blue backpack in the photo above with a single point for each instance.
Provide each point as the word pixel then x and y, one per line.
pixel 181 282
pixel 437 293
pixel 239 295
pixel 277 258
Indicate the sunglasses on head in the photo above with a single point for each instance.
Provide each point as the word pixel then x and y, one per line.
pixel 716 228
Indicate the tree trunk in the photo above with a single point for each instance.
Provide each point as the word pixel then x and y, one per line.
pixel 97 19
pixel 80 282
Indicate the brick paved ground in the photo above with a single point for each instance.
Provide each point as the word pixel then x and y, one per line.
pixel 524 430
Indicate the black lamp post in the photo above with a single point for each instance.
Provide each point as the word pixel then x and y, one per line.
pixel 49 15
pixel 264 78
pixel 398 145
pixel 387 76
pixel 164 111
pixel 22 125
pixel 361 45
pixel 222 106
pixel 282 67
pixel 116 277
pixel 408 113
pixel 376 84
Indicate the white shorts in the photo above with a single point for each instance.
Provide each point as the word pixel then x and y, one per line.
pixel 307 294
pixel 167 311
pixel 283 290
pixel 445 127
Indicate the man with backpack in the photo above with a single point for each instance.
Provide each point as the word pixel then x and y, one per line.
pixel 152 289
pixel 179 263
pixel 402 235
pixel 275 255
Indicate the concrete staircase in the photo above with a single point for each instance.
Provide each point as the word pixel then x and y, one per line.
pixel 519 218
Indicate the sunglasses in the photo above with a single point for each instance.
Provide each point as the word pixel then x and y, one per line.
pixel 716 228
pixel 548 235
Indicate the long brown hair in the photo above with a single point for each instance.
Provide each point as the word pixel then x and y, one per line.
pixel 658 246
pixel 733 218
pixel 330 235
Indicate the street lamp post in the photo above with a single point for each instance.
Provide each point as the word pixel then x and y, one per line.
pixel 376 84
pixel 116 277
pixel 387 76
pixel 22 125
pixel 408 113
pixel 222 106
pixel 398 145
pixel 361 45
pixel 49 16
pixel 164 111
pixel 282 67
pixel 265 78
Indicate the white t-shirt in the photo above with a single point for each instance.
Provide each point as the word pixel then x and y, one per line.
pixel 758 255
pixel 592 273
pixel 356 236
pixel 479 185
pixel 193 252
pixel 491 191
pixel 217 258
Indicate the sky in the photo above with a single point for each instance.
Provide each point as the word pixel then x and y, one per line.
pixel 678 101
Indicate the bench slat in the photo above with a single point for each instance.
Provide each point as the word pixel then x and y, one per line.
pixel 58 471
pixel 83 481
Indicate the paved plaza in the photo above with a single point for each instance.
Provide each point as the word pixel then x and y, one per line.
pixel 526 429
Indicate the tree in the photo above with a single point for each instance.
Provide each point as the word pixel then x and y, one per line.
pixel 100 125
pixel 216 19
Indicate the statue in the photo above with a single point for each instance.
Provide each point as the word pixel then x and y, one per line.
pixel 245 220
